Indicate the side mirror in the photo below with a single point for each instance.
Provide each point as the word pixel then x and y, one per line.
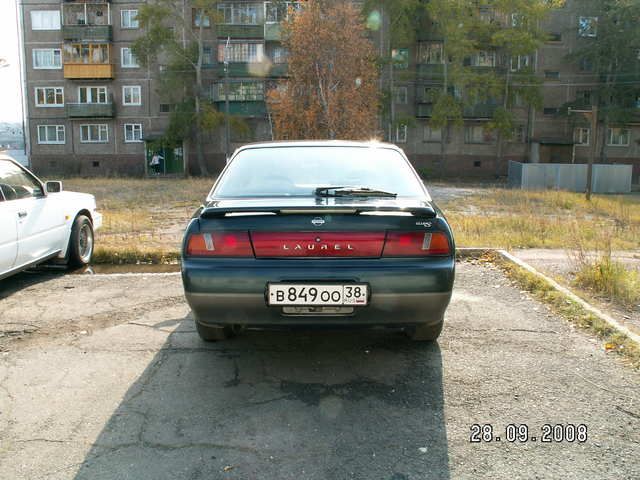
pixel 53 187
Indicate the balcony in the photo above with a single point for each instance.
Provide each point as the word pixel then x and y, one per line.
pixel 479 111
pixel 240 31
pixel 90 110
pixel 244 109
pixel 279 70
pixel 430 71
pixel 87 60
pixel 88 71
pixel 272 32
pixel 97 33
pixel 87 20
pixel 424 110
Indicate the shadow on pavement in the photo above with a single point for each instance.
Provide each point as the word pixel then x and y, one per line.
pixel 28 278
pixel 279 405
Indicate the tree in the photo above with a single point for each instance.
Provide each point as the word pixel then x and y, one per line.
pixel 332 88
pixel 181 50
pixel 500 31
pixel 610 42
pixel 393 24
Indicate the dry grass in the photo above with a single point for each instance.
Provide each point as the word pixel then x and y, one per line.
pixel 600 274
pixel 143 218
pixel 542 219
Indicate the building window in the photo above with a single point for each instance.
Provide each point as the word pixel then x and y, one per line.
pixel 518 134
pixel 400 95
pixel 200 19
pixel 550 111
pixel 478 134
pixel 132 95
pixel 97 133
pixel 132 132
pixel 47 58
pixel 279 54
pixel 400 58
pixel 401 134
pixel 584 97
pixel 128 59
pixel 582 136
pixel 430 53
pixel 483 58
pixel 165 108
pixel 432 134
pixel 554 38
pixel 92 95
pixel 49 97
pixel 244 13
pixel 241 91
pixel 241 52
pixel 129 19
pixel 618 137
pixel 520 62
pixel 551 75
pixel 207 56
pixel 276 12
pixel 45 20
pixel 429 94
pixel 87 53
pixel 588 27
pixel 51 134
pixel 273 11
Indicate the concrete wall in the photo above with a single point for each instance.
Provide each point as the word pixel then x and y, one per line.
pixel 572 177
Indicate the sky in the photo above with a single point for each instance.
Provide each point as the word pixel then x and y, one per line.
pixel 10 94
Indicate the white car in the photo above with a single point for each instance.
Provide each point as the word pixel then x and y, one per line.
pixel 40 222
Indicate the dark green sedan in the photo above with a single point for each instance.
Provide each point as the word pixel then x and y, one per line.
pixel 320 233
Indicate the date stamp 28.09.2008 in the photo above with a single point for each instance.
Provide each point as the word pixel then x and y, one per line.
pixel 523 433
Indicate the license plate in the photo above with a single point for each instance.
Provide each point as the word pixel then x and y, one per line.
pixel 356 294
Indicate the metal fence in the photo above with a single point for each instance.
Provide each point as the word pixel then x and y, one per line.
pixel 571 177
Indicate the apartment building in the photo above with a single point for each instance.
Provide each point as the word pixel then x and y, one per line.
pixel 93 110
pixel 540 135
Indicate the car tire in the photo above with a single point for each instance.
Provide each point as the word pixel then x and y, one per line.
pixel 209 333
pixel 80 242
pixel 426 333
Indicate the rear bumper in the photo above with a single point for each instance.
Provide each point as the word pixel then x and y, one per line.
pixel 384 309
pixel 403 292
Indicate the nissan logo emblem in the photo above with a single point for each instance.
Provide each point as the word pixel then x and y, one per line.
pixel 317 221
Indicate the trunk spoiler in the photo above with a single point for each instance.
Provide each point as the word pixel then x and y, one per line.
pixel 216 212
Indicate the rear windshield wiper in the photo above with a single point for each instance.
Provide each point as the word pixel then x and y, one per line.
pixel 352 192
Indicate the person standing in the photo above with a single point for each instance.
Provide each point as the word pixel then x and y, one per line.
pixel 155 163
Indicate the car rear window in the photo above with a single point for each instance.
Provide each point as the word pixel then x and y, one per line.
pixel 298 171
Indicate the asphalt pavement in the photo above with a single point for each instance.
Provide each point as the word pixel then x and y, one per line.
pixel 104 377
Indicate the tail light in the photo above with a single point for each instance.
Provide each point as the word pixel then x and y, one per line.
pixel 416 244
pixel 220 244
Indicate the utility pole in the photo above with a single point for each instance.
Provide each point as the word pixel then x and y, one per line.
pixel 227 128
pixel 592 156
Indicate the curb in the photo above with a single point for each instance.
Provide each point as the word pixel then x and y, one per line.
pixel 506 256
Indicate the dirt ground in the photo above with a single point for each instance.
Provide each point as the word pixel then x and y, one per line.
pixel 103 377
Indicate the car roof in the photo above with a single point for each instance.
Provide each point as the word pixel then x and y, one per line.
pixel 319 143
